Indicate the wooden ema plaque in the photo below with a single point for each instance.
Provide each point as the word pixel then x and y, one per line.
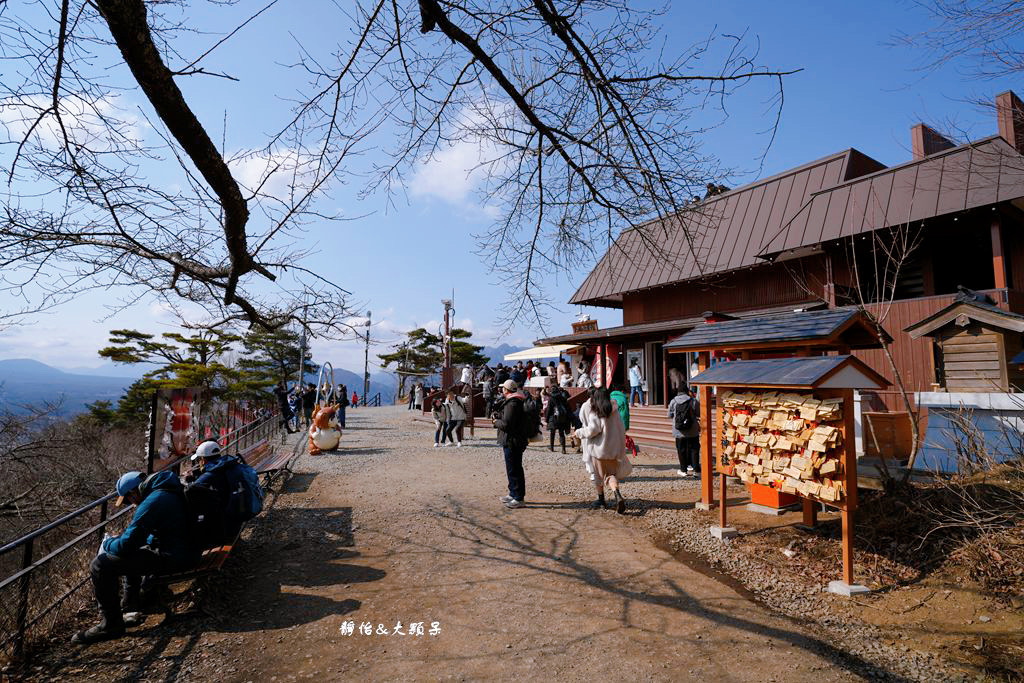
pixel 796 442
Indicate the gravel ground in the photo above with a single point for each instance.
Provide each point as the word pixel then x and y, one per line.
pixel 391 530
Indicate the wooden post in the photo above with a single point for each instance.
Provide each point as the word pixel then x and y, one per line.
pixel 604 364
pixel 665 388
pixel 707 436
pixel 998 260
pixel 850 484
pixel 810 513
pixel 722 500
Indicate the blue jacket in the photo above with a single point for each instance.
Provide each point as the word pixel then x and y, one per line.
pixel 160 521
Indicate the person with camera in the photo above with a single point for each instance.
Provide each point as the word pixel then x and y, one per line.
pixel 510 420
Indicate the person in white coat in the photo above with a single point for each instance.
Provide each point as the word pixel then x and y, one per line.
pixel 456 406
pixel 604 439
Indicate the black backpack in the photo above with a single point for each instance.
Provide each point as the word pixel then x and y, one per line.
pixel 531 416
pixel 684 417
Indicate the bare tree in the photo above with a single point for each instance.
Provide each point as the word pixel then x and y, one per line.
pixel 584 120
pixel 985 36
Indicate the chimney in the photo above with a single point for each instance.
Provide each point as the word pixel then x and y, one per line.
pixel 1010 112
pixel 925 141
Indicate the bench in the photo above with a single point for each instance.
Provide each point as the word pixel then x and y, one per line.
pixel 210 562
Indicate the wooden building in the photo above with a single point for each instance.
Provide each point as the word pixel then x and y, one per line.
pixel 815 237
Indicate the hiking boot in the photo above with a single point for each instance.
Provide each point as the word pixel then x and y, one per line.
pixel 620 504
pixel 105 630
pixel 689 471
pixel 514 504
pixel 598 504
pixel 506 499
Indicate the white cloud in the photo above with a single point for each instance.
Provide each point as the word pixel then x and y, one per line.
pixel 100 124
pixel 451 174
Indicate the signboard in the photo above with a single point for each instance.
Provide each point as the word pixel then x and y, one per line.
pixel 584 326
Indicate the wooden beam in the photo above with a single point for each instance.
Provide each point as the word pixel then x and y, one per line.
pixel 707 435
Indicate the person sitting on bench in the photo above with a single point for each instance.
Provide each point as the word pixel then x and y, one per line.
pixel 155 542
pixel 207 495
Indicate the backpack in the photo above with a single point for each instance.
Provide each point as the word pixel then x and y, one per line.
pixel 207 523
pixel 531 416
pixel 245 495
pixel 684 416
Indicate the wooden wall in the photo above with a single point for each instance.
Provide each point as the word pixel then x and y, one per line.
pixel 763 287
pixel 973 358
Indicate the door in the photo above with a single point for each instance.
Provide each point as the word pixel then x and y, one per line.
pixel 655 373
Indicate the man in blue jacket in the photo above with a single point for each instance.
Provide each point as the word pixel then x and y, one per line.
pixel 155 542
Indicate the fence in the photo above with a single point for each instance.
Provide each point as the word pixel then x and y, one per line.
pixel 41 594
pixel 372 402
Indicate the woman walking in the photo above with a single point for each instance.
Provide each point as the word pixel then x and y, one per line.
pixel 604 447
pixel 456 406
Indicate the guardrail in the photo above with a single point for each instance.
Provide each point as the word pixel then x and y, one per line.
pixel 374 402
pixel 30 584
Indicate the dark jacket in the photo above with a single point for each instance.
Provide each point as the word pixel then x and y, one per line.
pixel 160 521
pixel 308 400
pixel 282 399
pixel 558 398
pixel 511 425
pixel 501 377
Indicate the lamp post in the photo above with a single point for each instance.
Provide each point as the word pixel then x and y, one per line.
pixel 447 376
pixel 366 360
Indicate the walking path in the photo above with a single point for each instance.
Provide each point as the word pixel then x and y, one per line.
pixel 391 530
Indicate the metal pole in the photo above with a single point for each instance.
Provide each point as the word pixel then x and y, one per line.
pixel 366 360
pixel 22 617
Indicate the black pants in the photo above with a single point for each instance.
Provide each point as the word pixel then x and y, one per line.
pixel 412 400
pixel 286 417
pixel 561 436
pixel 441 433
pixel 106 572
pixel 514 471
pixel 688 450
pixel 453 426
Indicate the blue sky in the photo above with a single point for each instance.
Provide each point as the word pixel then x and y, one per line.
pixel 414 247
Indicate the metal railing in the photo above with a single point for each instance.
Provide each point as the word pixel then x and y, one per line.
pixel 373 402
pixel 23 589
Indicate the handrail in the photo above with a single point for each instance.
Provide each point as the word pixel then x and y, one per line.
pixel 32 535
pixel 29 564
pixel 374 402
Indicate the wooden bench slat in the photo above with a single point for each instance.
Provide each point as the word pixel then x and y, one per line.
pixel 276 462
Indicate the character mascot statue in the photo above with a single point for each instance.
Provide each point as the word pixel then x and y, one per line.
pixel 324 434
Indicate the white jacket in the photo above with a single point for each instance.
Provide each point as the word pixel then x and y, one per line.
pixel 603 438
pixel 456 408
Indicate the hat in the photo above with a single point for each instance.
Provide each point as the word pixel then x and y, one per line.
pixel 510 385
pixel 207 449
pixel 128 482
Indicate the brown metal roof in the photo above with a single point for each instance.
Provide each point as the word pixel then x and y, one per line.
pixel 678 325
pixel 976 174
pixel 723 232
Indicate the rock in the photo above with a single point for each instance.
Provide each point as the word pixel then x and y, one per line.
pixel 984 619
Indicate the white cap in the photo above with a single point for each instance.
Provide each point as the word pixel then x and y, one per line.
pixel 207 449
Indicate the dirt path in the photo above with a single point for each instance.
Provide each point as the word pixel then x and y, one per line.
pixel 390 530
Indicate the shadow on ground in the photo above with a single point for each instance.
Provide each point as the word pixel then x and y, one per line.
pixel 290 548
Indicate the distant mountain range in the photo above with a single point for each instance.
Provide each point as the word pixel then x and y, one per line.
pixel 25 382
pixel 28 383
pixel 497 353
